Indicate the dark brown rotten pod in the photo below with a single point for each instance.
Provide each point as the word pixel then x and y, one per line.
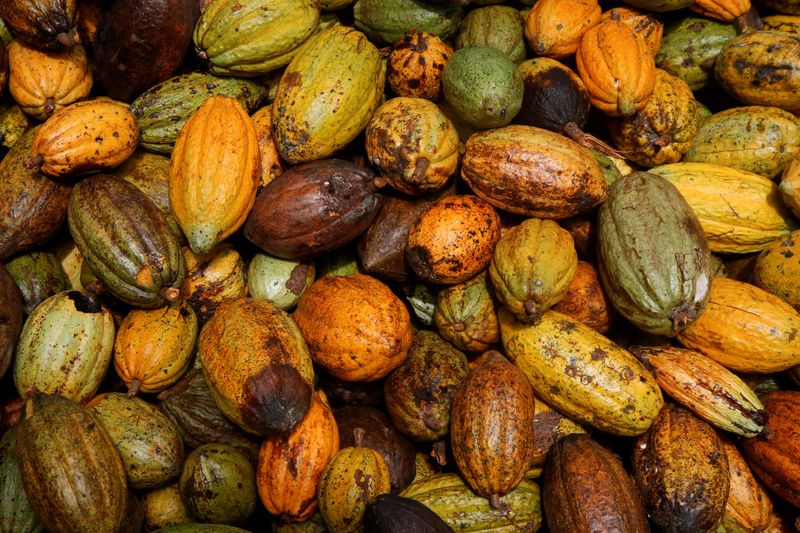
pixel 556 99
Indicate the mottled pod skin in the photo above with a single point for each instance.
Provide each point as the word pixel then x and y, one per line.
pixel 532 266
pixel 44 23
pixel 776 272
pixel 587 489
pixel 43 82
pixel 327 94
pixel 749 504
pixel 491 427
pixel 582 373
pixel 290 466
pixel 148 443
pixel 126 241
pixel 153 348
pixel 453 240
pixel 617 66
pixel 214 172
pixel 65 347
pixel 419 393
pixel 87 135
pixel 353 478
pixel 11 318
pixel 466 315
pixel 34 205
pixel 413 145
pixel 416 63
pixel 775 456
pixel 705 387
pixel 534 172
pixel 69 462
pixel 257 366
pixel 355 327
pixel 655 268
pixel 554 28
pixel 746 329
pixel 642 22
pixel 682 471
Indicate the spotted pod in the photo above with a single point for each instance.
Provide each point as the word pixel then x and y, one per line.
pixel 126 241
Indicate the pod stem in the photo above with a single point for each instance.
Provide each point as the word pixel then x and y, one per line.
pixel 170 294
pixel 133 388
pixel 68 39
pixel 748 22
pixel 590 141
pixel 358 437
pixel 49 106
pixel 439 452
pixel 33 162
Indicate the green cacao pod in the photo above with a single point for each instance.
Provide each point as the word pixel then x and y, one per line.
pixel 758 139
pixel 463 510
pixel 653 256
pixel 466 315
pixel 279 281
pixel 147 441
pixel 320 109
pixel 70 464
pixel 13 123
pixel 483 87
pixel 387 21
pixel 532 266
pixel 150 174
pixel 494 26
pixel 162 110
pixel 39 276
pixel 253 37
pixel 689 47
pixel 126 241
pixel 751 71
pixel 419 392
pixel 218 484
pixel 65 347
pixel 16 513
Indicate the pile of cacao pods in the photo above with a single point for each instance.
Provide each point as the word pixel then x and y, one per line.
pixel 399 266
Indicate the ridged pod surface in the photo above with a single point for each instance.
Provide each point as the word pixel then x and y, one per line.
pixel 34 205
pixel 126 241
pixel 214 172
pixel 87 135
pixel 449 497
pixel 43 23
pixel 586 488
pixel 327 94
pixel 758 139
pixel 65 347
pixel 705 387
pixel 253 37
pixel 777 271
pixel 617 67
pixel 70 467
pixel 153 348
pixel 740 212
pixel 682 472
pixel 43 82
pixel 491 427
pixel 148 443
pixel 290 466
pixel 257 366
pixel 353 478
pixel 582 373
pixel 653 260
pixel 534 172
pixel 761 68
pixel 554 28
pixel 16 513
pixel 163 109
pixel 746 329
pixel 774 456
pixel 532 266
pixel 749 505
